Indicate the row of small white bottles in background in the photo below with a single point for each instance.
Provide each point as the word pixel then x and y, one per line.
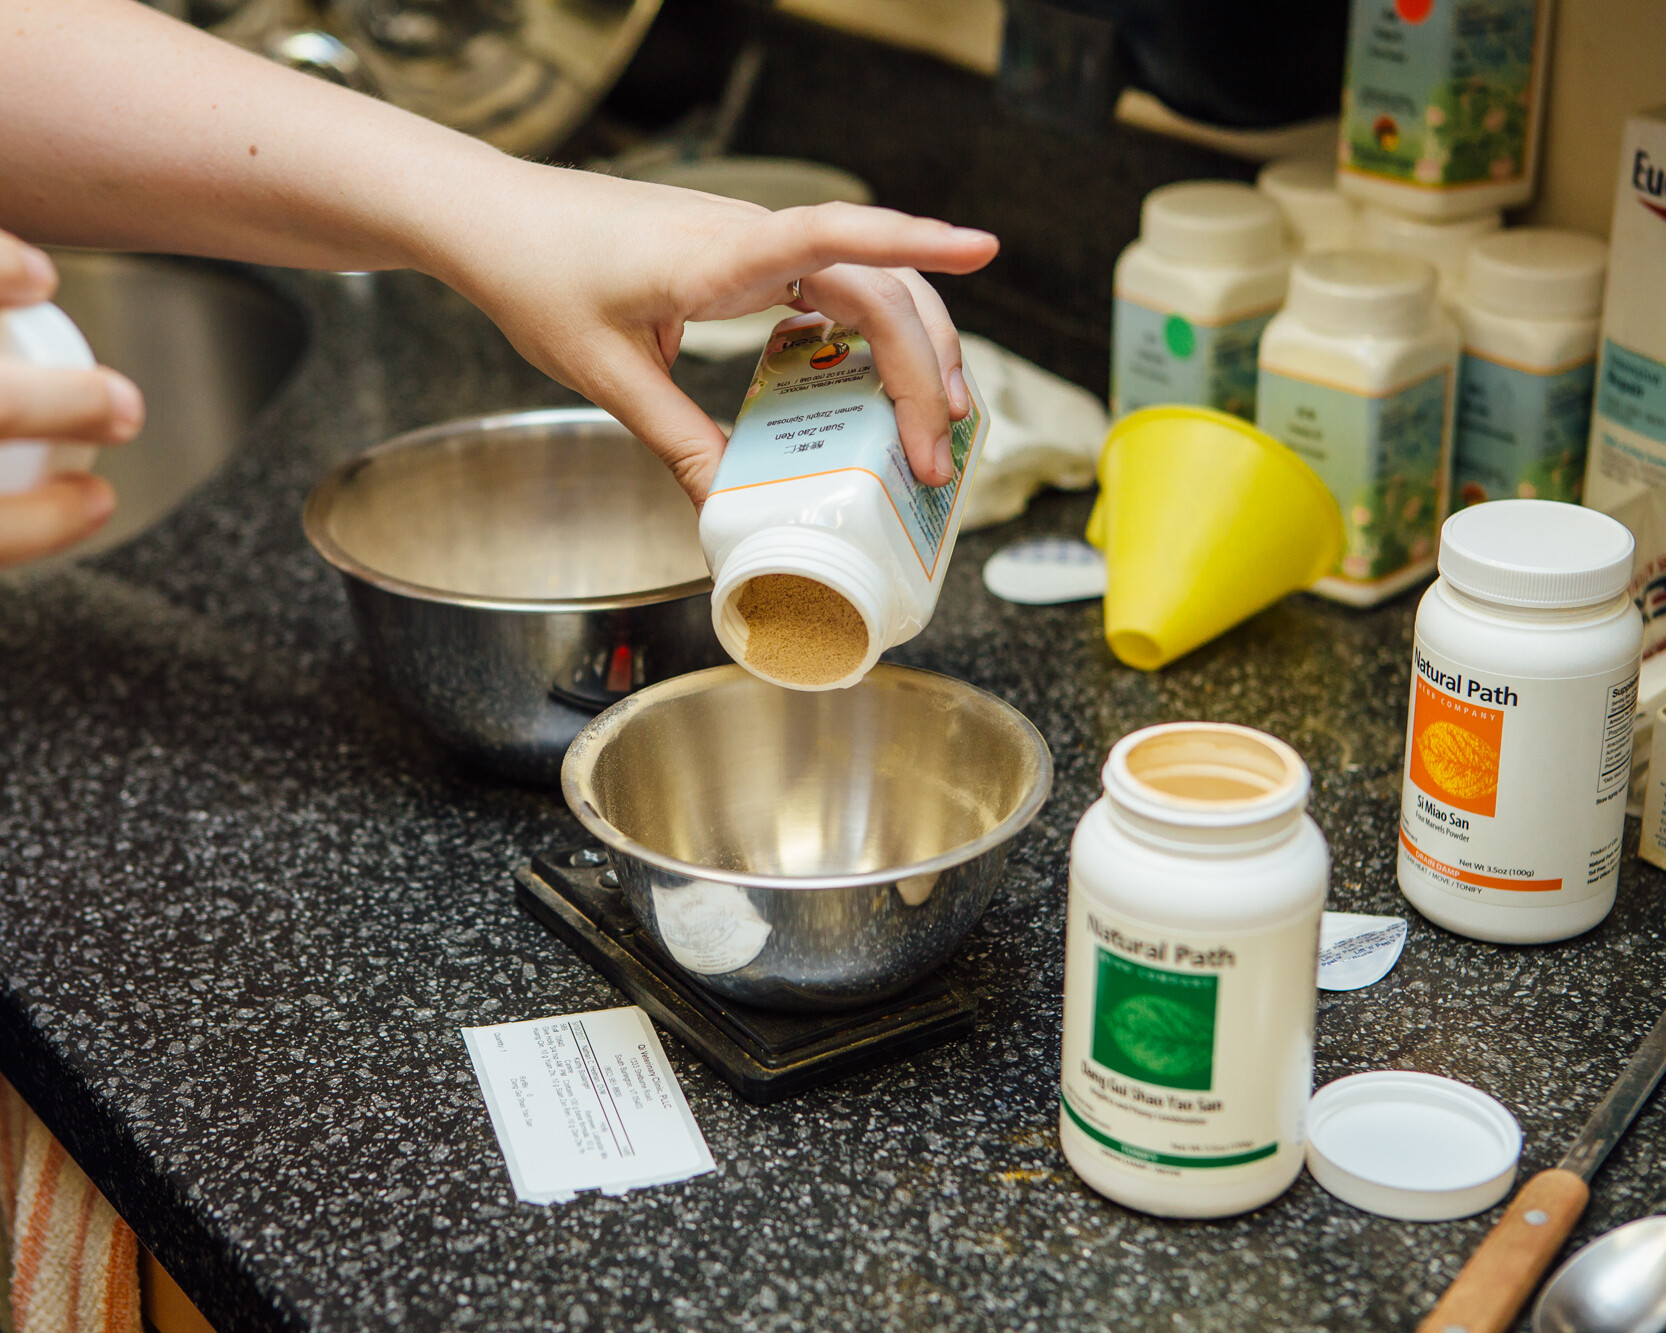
pixel 1403 358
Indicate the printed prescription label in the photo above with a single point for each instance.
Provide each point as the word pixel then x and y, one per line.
pixel 817 406
pixel 1521 434
pixel 1515 789
pixel 585 1102
pixel 1439 92
pixel 1383 457
pixel 1159 356
pixel 1168 1060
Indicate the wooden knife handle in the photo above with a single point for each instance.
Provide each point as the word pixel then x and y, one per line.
pixel 1509 1262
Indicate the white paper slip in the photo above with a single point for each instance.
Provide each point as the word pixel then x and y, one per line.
pixel 1356 951
pixel 1041 571
pixel 585 1102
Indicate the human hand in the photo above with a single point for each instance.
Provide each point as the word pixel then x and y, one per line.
pixel 592 278
pixel 89 406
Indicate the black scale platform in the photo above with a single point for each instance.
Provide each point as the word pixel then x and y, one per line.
pixel 763 1055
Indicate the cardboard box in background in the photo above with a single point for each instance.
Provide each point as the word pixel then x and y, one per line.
pixel 1628 421
pixel 1645 515
pixel 1605 65
pixel 1652 846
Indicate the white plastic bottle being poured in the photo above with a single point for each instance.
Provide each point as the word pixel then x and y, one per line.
pixel 825 548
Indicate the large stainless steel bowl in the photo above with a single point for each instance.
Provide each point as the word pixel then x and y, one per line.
pixel 514 574
pixel 804 850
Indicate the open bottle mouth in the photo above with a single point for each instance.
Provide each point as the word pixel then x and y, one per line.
pixel 1217 768
pixel 798 631
pixel 1206 784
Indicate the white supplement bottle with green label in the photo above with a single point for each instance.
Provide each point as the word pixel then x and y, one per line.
pixel 1518 743
pixel 1442 103
pixel 1192 296
pixel 1196 887
pixel 1317 215
pixel 824 548
pixel 1358 373
pixel 1444 242
pixel 1529 314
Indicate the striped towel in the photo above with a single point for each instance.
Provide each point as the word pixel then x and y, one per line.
pixel 72 1264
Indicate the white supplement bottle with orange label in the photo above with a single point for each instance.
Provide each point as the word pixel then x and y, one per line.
pixel 824 548
pixel 1518 746
pixel 1196 887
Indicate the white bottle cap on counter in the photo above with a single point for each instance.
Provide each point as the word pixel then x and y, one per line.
pixel 1540 553
pixel 1444 242
pixel 1212 222
pixel 1317 213
pixel 42 335
pixel 1537 273
pixel 1362 292
pixel 1044 571
pixel 1413 1146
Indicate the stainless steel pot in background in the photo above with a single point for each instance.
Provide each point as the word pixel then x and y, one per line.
pixel 520 74
pixel 803 850
pixel 512 575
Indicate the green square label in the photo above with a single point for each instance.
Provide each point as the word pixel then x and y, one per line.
pixel 1154 1025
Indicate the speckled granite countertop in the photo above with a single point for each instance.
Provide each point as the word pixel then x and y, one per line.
pixel 245 908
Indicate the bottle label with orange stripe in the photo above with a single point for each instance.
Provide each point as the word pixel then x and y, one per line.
pixel 817 407
pixel 1515 786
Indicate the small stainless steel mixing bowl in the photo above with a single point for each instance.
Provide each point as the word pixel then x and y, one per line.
pixel 808 850
pixel 514 574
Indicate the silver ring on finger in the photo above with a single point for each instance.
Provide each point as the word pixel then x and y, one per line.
pixel 797 291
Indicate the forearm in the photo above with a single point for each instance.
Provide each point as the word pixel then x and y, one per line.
pixel 125 129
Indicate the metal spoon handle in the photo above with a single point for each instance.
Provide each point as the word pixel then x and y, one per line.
pixel 1509 1262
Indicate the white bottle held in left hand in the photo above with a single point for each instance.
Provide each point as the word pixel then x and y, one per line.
pixel 44 336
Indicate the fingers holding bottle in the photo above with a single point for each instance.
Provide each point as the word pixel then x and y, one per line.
pixel 27 275
pixel 99 406
pixel 52 516
pixel 51 392
pixel 862 266
pixel 36 403
pixel 605 316
pixel 910 348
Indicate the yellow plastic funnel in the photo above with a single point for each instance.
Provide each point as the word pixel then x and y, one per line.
pixel 1204 520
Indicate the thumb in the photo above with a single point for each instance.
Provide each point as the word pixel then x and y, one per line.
pixel 58 513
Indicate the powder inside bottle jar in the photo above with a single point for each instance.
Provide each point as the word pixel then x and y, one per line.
pixel 800 632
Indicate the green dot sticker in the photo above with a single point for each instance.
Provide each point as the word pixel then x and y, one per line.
pixel 1177 333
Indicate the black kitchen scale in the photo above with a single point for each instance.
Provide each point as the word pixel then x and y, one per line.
pixel 763 1055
